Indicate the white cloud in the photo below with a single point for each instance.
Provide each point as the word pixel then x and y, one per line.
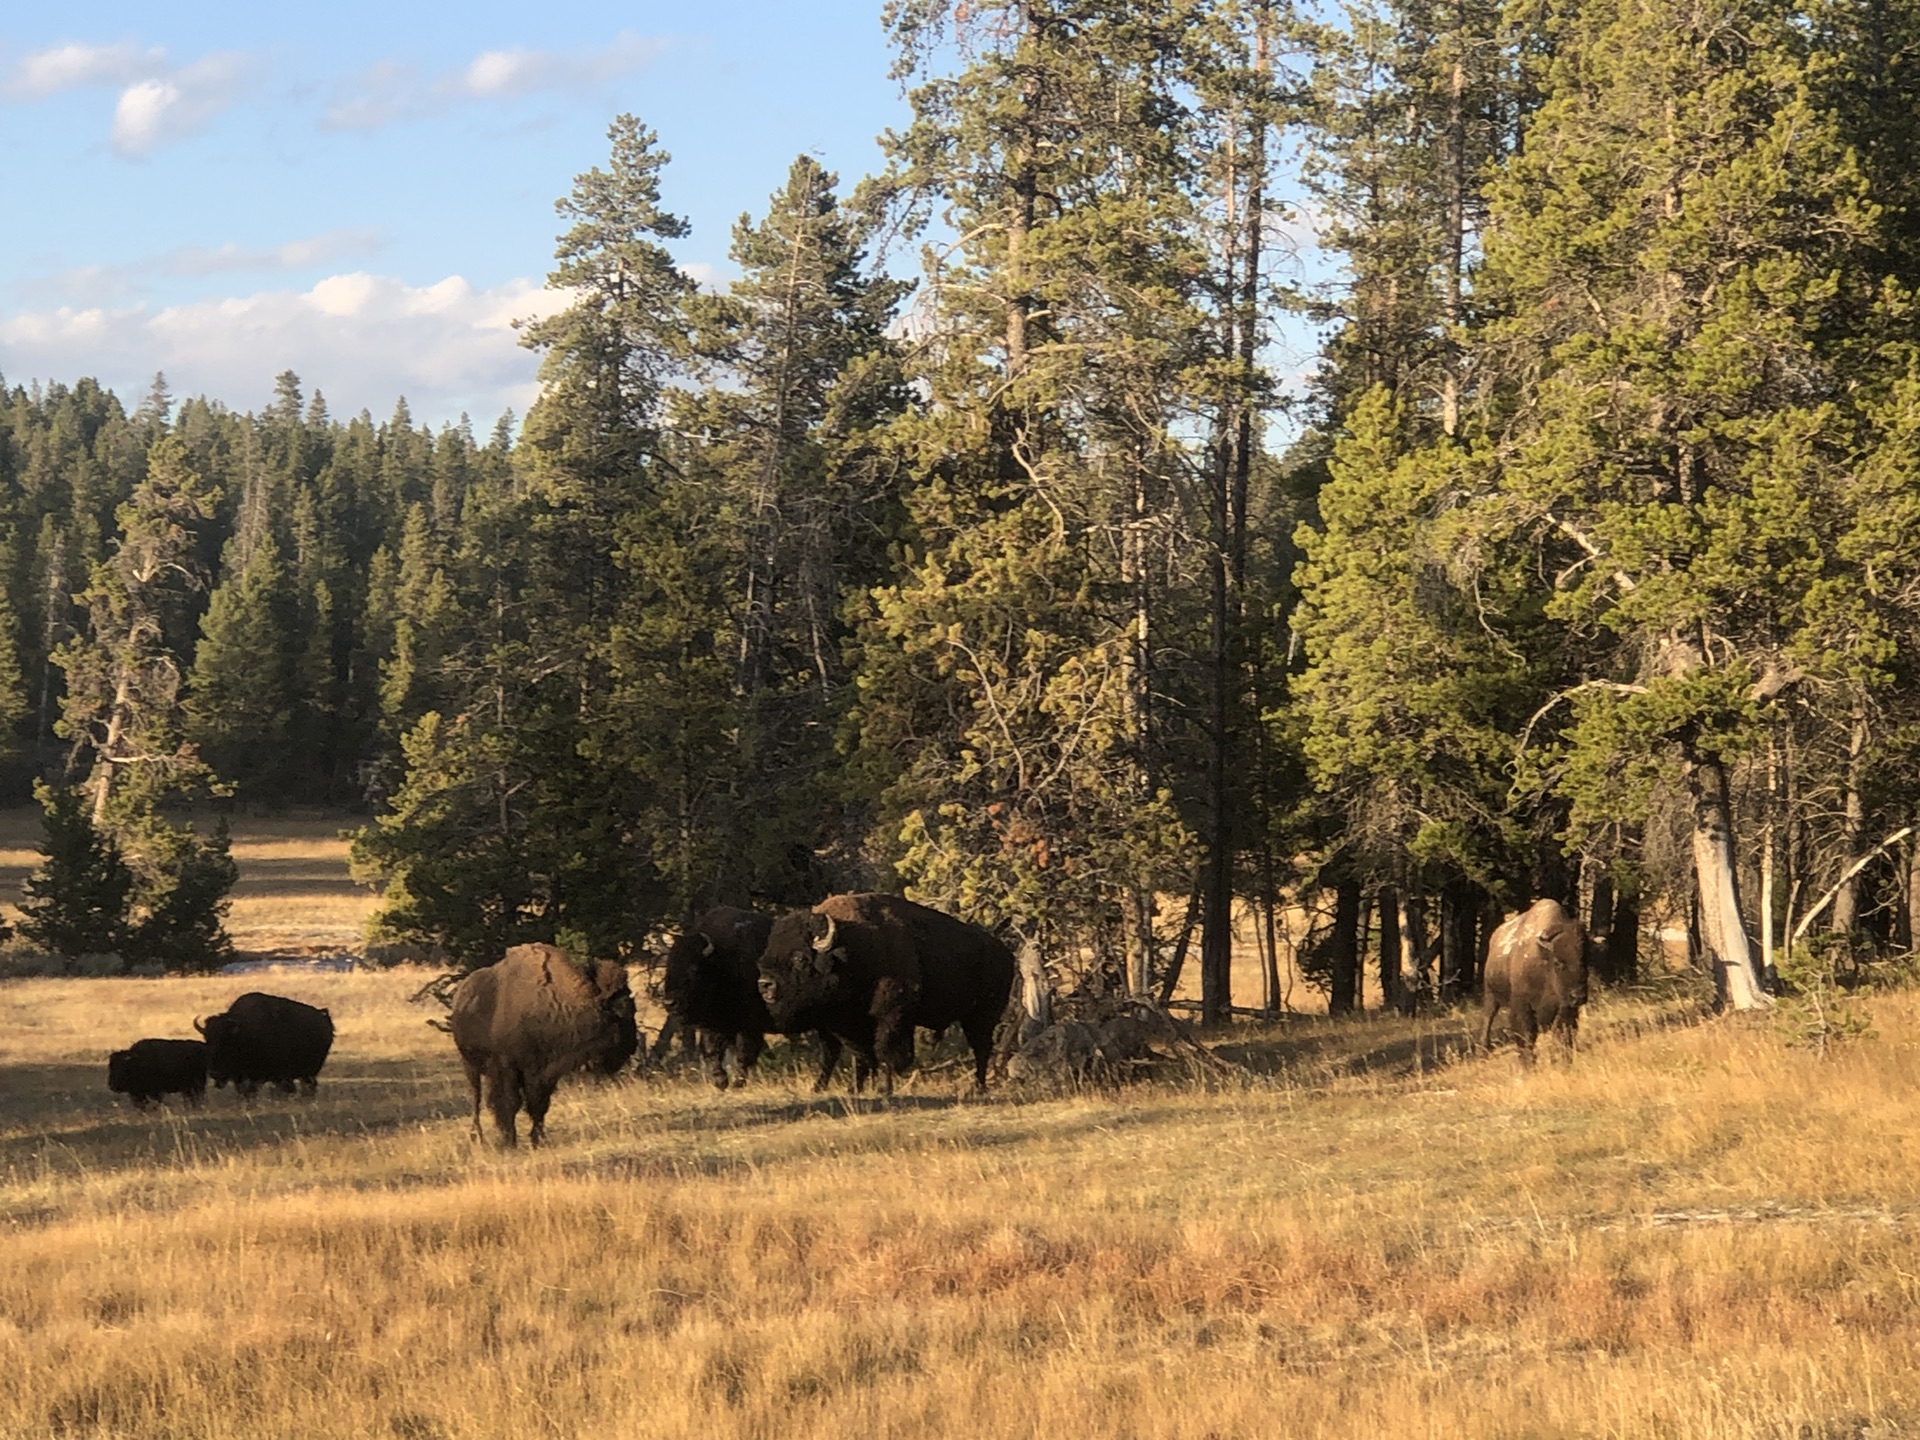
pixel 321 249
pixel 75 67
pixel 361 339
pixel 165 108
pixel 390 92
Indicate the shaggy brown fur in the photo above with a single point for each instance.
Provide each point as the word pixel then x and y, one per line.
pixel 870 968
pixel 1537 971
pixel 535 1017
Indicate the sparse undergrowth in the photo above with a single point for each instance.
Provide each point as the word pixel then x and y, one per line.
pixel 1697 1230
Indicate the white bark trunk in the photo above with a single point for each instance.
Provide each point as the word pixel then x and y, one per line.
pixel 1720 922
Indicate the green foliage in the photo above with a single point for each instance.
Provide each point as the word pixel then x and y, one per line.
pixel 180 897
pixel 77 897
pixel 1820 1012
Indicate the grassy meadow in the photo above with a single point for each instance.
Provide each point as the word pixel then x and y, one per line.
pixel 1693 1231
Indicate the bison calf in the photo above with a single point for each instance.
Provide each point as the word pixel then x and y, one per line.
pixel 529 1020
pixel 1537 972
pixel 148 1069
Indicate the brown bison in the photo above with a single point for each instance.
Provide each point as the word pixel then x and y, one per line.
pixel 712 987
pixel 265 1039
pixel 148 1069
pixel 532 1018
pixel 869 968
pixel 1537 972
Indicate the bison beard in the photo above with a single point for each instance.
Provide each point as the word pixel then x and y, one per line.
pixel 870 968
pixel 712 987
pixel 1537 971
pixel 524 1023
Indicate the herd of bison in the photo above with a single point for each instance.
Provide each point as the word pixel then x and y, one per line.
pixel 857 971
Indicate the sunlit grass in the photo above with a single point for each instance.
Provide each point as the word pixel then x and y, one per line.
pixel 1694 1231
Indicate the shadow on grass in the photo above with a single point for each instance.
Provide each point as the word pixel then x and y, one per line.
pixel 62 1119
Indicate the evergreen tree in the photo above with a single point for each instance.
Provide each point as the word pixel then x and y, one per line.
pixel 77 897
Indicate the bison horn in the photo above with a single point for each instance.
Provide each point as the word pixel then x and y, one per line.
pixel 707 940
pixel 824 943
pixel 199 1025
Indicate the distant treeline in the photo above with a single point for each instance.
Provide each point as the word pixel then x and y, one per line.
pixel 1594 571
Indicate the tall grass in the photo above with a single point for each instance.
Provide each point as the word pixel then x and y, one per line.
pixel 1694 1231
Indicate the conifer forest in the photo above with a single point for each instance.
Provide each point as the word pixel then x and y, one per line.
pixel 1040 527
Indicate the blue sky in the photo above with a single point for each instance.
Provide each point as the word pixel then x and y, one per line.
pixel 364 193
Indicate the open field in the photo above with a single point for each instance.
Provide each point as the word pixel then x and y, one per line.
pixel 1694 1232
pixel 294 890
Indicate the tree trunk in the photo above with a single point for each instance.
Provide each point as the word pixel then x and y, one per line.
pixel 1413 949
pixel 1389 903
pixel 1600 924
pixel 1345 948
pixel 1459 916
pixel 1913 894
pixel 1623 936
pixel 1179 962
pixel 1721 925
pixel 1853 820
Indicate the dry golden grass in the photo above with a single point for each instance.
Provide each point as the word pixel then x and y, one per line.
pixel 1693 1232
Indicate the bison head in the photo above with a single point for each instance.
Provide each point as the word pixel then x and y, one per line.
pixel 1564 953
pixel 799 967
pixel 220 1033
pixel 120 1071
pixel 620 1032
pixel 686 958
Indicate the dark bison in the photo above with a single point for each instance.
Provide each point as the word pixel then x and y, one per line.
pixel 712 987
pixel 1537 972
pixel 148 1069
pixel 532 1018
pixel 267 1039
pixel 869 968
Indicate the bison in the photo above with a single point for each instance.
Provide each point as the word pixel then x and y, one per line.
pixel 530 1019
pixel 148 1069
pixel 267 1039
pixel 712 987
pixel 1537 971
pixel 869 968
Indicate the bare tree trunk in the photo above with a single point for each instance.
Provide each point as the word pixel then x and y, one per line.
pixel 1389 903
pixel 1913 895
pixel 1623 936
pixel 1413 949
pixel 1853 822
pixel 1344 947
pixel 1179 962
pixel 1721 925
pixel 1268 904
pixel 1600 911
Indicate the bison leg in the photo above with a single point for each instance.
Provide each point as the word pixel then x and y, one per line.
pixel 196 1096
pixel 1526 1030
pixel 830 1048
pixel 747 1046
pixel 712 1045
pixel 474 1074
pixel 504 1088
pixel 1491 1008
pixel 246 1089
pixel 539 1097
pixel 979 1033
pixel 285 1087
pixel 1564 1030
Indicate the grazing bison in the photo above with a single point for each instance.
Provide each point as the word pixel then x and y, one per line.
pixel 1537 971
pixel 532 1018
pixel 267 1039
pixel 148 1069
pixel 712 987
pixel 869 968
